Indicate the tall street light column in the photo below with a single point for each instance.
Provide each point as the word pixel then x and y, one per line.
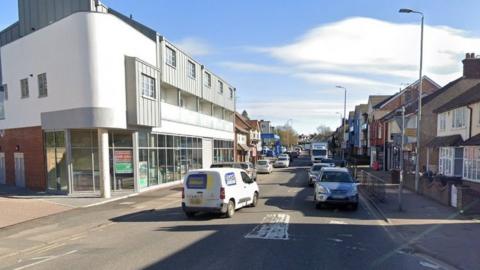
pixel 420 90
pixel 344 119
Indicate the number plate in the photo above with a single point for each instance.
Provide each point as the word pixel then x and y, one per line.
pixel 195 200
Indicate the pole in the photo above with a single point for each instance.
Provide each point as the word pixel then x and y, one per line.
pixel 344 123
pixel 400 186
pixel 419 113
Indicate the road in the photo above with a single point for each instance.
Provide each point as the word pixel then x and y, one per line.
pixel 150 231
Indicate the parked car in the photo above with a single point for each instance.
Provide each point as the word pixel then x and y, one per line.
pixel 328 161
pixel 219 190
pixel 314 171
pixel 284 155
pixel 281 162
pixel 247 166
pixel 337 187
pixel 264 166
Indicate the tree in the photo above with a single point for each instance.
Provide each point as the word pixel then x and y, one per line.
pixel 323 133
pixel 288 136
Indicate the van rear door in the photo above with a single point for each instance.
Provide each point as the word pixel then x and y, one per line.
pixel 202 189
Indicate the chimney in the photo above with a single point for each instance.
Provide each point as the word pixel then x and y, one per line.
pixel 471 66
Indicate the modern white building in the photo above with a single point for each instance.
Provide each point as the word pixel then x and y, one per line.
pixel 94 101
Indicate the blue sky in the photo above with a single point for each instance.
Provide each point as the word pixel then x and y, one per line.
pixel 285 57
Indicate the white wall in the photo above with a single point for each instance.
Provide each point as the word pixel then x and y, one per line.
pixel 83 56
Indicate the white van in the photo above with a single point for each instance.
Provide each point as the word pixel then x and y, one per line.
pixel 220 190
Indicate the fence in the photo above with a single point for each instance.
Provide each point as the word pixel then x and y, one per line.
pixel 372 185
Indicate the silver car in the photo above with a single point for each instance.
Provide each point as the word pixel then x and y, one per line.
pixel 314 171
pixel 337 187
pixel 264 166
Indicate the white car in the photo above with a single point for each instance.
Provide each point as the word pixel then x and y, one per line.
pixel 220 190
pixel 284 156
pixel 281 162
pixel 264 166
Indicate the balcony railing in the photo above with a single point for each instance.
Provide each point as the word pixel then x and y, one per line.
pixel 182 115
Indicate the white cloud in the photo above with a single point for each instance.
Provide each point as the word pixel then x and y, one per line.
pixel 194 46
pixel 373 47
pixel 345 80
pixel 251 67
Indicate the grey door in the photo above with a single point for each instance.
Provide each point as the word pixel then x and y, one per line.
pixel 19 170
pixel 2 169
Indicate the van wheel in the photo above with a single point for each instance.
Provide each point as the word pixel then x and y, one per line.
pixel 254 199
pixel 190 214
pixel 230 209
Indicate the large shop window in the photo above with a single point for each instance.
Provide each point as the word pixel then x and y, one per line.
pixel 222 151
pixel 55 154
pixel 166 158
pixel 471 163
pixel 121 160
pixel 85 161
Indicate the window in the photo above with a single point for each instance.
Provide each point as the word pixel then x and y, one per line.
pixel 171 57
pixel 231 92
pixel 207 79
pixel 445 162
pixel 2 102
pixel 42 85
pixel 4 89
pixel 471 163
pixel 191 69
pixel 24 88
pixel 148 86
pixel 458 118
pixel 220 87
pixel 442 121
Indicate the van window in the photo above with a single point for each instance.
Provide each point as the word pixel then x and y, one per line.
pixel 197 181
pixel 246 179
pixel 230 179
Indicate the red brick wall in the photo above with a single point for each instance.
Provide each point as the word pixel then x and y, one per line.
pixel 30 141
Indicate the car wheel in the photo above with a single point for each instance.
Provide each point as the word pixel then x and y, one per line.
pixel 354 206
pixel 230 209
pixel 254 199
pixel 190 214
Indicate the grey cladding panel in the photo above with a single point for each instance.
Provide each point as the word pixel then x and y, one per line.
pixel 141 110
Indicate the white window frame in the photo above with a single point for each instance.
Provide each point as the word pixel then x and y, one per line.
pixel 446 160
pixel 171 57
pixel 42 85
pixel 148 86
pixel 24 91
pixel 207 79
pixel 442 121
pixel 458 118
pixel 220 87
pixel 191 70
pixel 471 163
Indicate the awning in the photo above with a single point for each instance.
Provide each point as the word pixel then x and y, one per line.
pixel 453 140
pixel 475 140
pixel 244 147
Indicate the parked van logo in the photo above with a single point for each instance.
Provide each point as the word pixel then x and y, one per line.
pixel 230 179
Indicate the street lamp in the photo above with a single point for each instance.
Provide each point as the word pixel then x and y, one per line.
pixel 420 90
pixel 344 117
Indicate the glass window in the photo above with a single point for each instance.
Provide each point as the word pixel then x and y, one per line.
pixel 207 79
pixel 170 166
pixel 162 164
pixel 42 85
pixel 442 121
pixel 24 88
pixel 81 138
pixel 191 72
pixel 152 142
pixel 171 57
pixel 2 101
pixel 152 167
pixel 170 141
pixel 189 142
pixel 148 86
pixel 161 141
pixel 143 139
pixel 122 140
pixel 458 118
pixel 220 87
pixel 231 92
pixel 4 89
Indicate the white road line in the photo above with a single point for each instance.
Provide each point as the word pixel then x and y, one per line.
pixel 429 265
pixel 337 222
pixel 45 259
pixel 273 227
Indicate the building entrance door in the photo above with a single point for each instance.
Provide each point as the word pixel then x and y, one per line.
pixel 19 169
pixel 2 169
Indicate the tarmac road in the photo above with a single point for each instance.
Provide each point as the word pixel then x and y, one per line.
pixel 150 231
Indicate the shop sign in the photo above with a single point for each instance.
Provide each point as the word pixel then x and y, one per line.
pixel 123 161
pixel 143 173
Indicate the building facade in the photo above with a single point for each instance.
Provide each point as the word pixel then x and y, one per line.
pixel 87 109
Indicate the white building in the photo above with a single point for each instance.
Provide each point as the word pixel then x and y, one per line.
pixel 92 101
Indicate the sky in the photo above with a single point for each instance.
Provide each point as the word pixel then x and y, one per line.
pixel 286 57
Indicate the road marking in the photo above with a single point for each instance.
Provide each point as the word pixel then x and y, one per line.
pixel 45 259
pixel 335 240
pixel 273 227
pixel 429 265
pixel 126 203
pixel 337 222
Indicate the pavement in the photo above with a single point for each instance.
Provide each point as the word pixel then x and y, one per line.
pixel 428 227
pixel 150 231
pixel 19 205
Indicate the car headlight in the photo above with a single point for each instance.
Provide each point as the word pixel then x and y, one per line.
pixel 322 189
pixel 353 191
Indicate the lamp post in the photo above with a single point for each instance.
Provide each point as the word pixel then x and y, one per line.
pixel 420 89
pixel 344 118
